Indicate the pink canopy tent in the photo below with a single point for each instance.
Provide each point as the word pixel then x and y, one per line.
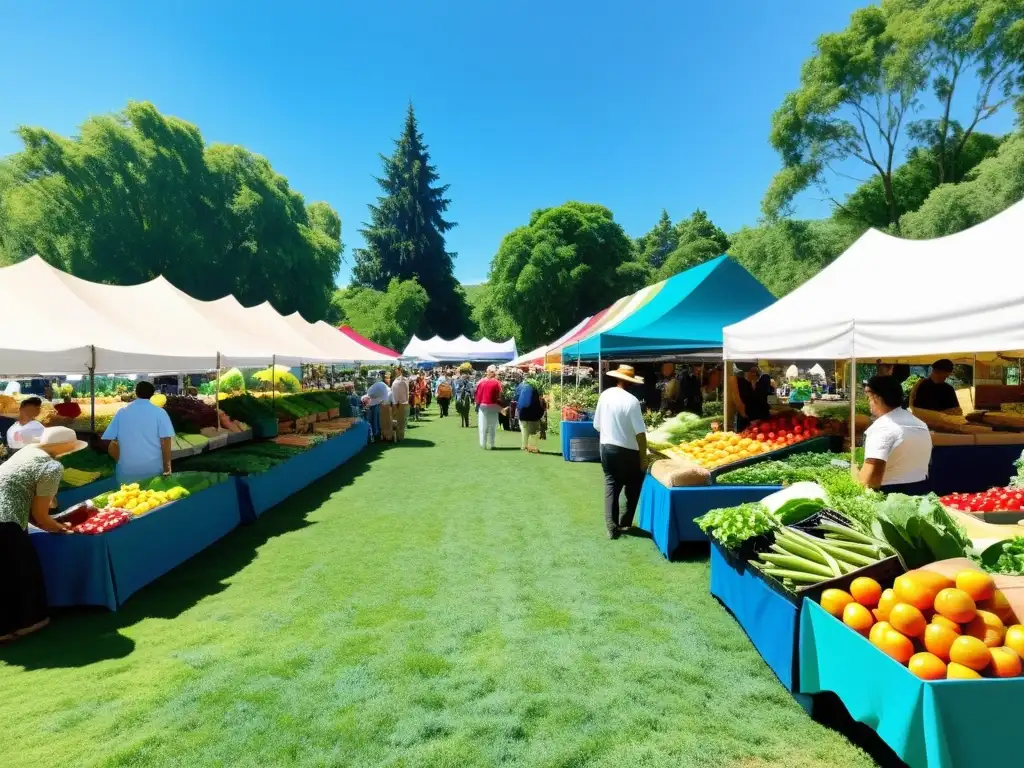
pixel 365 342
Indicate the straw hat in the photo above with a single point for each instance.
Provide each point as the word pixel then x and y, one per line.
pixel 626 373
pixel 60 441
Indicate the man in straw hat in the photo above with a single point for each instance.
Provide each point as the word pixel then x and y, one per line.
pixel 28 487
pixel 620 422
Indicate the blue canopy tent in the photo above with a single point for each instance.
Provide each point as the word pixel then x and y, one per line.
pixel 686 314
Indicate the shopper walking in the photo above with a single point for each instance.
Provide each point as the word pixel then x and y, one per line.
pixel 488 405
pixel 443 393
pixel 463 399
pixel 400 396
pixel 530 407
pixel 378 393
pixel 620 422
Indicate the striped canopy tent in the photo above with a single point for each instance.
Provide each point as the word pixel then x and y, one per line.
pixel 536 356
pixel 372 347
pixel 684 314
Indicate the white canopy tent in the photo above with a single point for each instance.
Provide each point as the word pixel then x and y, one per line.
pixel 152 327
pixel 792 372
pixel 336 346
pixel 817 370
pixel 460 350
pixel 896 299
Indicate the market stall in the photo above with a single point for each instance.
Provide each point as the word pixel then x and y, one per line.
pixel 460 350
pixel 107 568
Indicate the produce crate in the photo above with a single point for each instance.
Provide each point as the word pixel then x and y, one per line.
pixel 263 429
pixel 285 427
pixel 333 413
pixel 240 437
pixel 217 442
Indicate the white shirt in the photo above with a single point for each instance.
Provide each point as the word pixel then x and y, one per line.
pixel 400 390
pixel 618 418
pixel 20 435
pixel 903 442
pixel 378 393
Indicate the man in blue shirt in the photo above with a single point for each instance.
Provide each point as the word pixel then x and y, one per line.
pixel 140 435
pixel 530 407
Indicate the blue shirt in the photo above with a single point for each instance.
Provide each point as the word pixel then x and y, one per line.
pixel 528 403
pixel 138 429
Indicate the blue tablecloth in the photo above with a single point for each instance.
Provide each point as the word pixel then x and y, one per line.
pixel 935 724
pixel 769 619
pixel 580 441
pixel 972 468
pixel 109 568
pixel 668 513
pixel 258 493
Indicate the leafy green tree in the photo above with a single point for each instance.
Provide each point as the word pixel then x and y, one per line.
pixel 405 235
pixel 494 322
pixel 690 253
pixel 388 317
pixel 785 253
pixel 138 194
pixel 566 263
pixel 654 247
pixel 700 227
pixel 992 186
pixel 862 86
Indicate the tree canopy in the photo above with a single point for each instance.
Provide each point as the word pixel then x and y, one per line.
pixel 388 317
pixel 405 235
pixel 567 262
pixel 139 194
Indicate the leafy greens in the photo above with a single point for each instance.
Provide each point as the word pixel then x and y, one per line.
pixel 919 529
pixel 732 526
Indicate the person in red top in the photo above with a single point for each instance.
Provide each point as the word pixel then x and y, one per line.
pixel 488 405
pixel 68 409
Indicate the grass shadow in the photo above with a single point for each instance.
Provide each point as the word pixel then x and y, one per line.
pixel 830 711
pixel 691 551
pixel 78 637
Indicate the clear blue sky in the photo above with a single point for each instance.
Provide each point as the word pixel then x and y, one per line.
pixel 635 105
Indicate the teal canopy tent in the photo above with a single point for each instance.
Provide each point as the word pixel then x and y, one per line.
pixel 685 314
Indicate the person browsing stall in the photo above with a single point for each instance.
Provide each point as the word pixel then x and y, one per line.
pixel 898 445
pixel 623 442
pixel 27 428
pixel 68 409
pixel 28 487
pixel 400 395
pixel 934 393
pixel 140 435
pixel 488 403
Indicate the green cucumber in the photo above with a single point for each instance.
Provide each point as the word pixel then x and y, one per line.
pixel 793 563
pixel 796 576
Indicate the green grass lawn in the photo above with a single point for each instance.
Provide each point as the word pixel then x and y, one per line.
pixel 429 604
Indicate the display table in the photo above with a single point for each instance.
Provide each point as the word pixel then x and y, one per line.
pixel 972 468
pixel 770 620
pixel 258 493
pixel 935 724
pixel 73 496
pixel 107 569
pixel 668 513
pixel 580 441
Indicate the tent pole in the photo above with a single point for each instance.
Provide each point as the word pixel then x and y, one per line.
pixel 273 382
pixel 974 379
pixel 216 394
pixel 852 388
pixel 725 393
pixel 600 373
pixel 92 389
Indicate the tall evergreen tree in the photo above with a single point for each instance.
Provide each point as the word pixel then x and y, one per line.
pixel 405 235
pixel 655 246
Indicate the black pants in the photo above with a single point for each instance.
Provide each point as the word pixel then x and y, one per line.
pixel 443 403
pixel 22 589
pixel 621 470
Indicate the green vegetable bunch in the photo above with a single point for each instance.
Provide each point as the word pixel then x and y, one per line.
pixel 1006 557
pixel 919 529
pixel 732 526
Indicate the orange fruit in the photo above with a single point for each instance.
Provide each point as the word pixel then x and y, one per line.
pixel 978 584
pixel 885 603
pixel 896 645
pixel 1015 639
pixel 866 591
pixel 858 618
pixel 942 621
pixel 875 635
pixel 987 627
pixel 955 604
pixel 835 600
pixel 917 588
pixel 907 619
pixel 927 667
pixel 938 639
pixel 1005 662
pixel 959 672
pixel 970 652
pixel 1000 606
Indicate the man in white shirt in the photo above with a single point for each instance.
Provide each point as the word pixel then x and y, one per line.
pixel 620 422
pixel 400 393
pixel 379 393
pixel 26 429
pixel 898 445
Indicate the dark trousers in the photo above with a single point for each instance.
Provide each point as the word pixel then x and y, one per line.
pixel 443 403
pixel 22 589
pixel 621 470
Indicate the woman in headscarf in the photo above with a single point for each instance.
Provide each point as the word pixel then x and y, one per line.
pixel 28 489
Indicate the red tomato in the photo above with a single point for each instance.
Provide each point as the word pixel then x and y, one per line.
pixel 760 437
pixel 797 429
pixel 771 435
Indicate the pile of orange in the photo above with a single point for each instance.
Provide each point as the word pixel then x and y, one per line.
pixel 717 449
pixel 939 627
